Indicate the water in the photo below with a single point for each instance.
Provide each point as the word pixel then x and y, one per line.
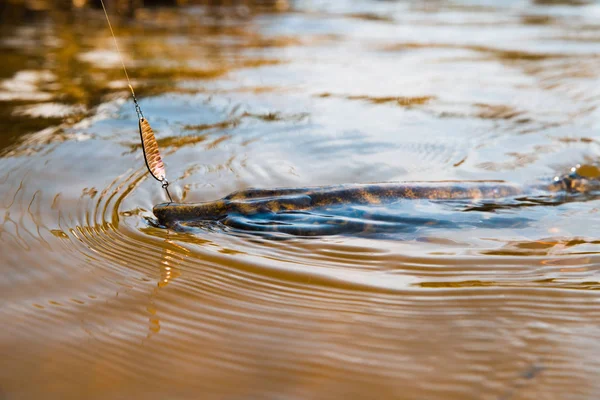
pixel 98 302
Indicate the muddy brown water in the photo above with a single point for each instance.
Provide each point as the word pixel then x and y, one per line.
pixel 99 303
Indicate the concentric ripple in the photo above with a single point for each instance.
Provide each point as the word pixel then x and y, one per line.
pixel 450 300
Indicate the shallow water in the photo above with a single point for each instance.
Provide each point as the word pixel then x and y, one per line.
pixel 98 302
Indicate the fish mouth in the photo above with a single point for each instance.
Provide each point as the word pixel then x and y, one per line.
pixel 171 214
pixel 163 213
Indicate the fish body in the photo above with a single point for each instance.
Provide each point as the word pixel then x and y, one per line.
pixel 273 209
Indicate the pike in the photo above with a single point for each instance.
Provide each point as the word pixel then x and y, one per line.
pixel 267 206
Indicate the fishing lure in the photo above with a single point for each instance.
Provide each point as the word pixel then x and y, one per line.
pixel 152 157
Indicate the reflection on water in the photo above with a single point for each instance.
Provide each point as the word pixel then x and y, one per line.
pixel 99 302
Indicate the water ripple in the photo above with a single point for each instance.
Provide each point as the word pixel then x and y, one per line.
pixel 494 302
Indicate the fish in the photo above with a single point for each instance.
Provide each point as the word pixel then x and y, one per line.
pixel 307 211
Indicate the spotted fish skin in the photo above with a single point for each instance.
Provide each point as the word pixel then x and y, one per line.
pixel 280 200
pixel 582 182
pixel 254 201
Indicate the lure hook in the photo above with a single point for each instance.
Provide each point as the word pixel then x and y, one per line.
pixel 165 185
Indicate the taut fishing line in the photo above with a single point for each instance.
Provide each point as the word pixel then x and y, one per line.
pixel 152 157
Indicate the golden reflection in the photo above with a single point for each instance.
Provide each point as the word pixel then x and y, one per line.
pixel 171 257
pixel 492 52
pixel 371 17
pixel 402 101
pixel 70 79
pixel 587 171
pixel 543 247
pixel 542 283
pixel 334 316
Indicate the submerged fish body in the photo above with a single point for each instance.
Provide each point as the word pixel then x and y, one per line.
pixel 341 208
pixel 257 201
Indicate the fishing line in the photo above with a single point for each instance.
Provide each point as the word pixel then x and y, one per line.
pixel 152 157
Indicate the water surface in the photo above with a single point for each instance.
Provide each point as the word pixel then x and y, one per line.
pixel 98 302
